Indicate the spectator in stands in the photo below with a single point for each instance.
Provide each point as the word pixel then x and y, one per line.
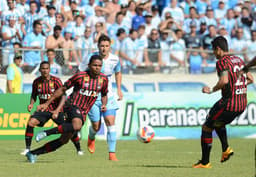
pixel 128 51
pixel 238 43
pixel 112 29
pixel 33 40
pixel 98 17
pixel 202 29
pixel 12 11
pixel 87 43
pixel 55 68
pixel 186 5
pixel 30 17
pixel 175 11
pixel 16 46
pixel 207 39
pixel 42 9
pixel 10 34
pixel 192 39
pixel 223 32
pixel 138 19
pixel 60 20
pixel 169 23
pixel 156 20
pixel 201 6
pixel 178 48
pixel 165 43
pixel 100 29
pixel 251 47
pixel 245 21
pixel 193 16
pixel 154 54
pixel 56 41
pixel 89 8
pixel 142 45
pixel 73 10
pixel 116 46
pixel 148 23
pixel 50 18
pixel 228 21
pixel 221 11
pixel 22 7
pixel 195 61
pixel 131 11
pixel 110 9
pixel 209 17
pixel 15 75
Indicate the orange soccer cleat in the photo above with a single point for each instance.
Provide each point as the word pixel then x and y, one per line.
pixel 199 164
pixel 91 145
pixel 226 155
pixel 112 156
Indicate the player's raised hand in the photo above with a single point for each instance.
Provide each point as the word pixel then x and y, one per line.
pixel 30 107
pixel 206 89
pixel 103 108
pixel 42 107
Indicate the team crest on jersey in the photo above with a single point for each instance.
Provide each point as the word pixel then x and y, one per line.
pixel 52 86
pixel 78 111
pixel 86 78
pixel 39 87
pixel 100 81
pixel 86 84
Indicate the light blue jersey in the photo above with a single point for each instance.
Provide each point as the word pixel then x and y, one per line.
pixel 29 20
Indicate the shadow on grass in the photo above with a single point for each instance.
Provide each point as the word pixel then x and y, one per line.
pixel 161 166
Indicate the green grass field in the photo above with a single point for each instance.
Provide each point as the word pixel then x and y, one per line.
pixel 172 158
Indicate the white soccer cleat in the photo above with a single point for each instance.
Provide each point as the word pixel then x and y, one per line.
pixel 24 152
pixel 80 152
pixel 40 136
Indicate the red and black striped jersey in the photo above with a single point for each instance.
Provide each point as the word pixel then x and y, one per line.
pixel 234 94
pixel 86 89
pixel 44 89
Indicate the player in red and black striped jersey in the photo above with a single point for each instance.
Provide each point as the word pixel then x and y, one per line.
pixel 233 102
pixel 86 87
pixel 43 88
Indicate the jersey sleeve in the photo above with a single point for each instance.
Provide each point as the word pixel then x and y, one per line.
pixel 104 89
pixel 10 73
pixel 34 91
pixel 117 67
pixel 221 66
pixel 58 84
pixel 71 81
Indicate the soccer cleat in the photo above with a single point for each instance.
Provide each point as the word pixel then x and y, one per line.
pixel 80 152
pixel 199 164
pixel 31 157
pixel 112 156
pixel 24 152
pixel 91 145
pixel 226 155
pixel 40 136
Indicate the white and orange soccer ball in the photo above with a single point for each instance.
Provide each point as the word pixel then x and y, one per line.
pixel 145 134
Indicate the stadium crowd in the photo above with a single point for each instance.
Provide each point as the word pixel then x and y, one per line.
pixel 148 33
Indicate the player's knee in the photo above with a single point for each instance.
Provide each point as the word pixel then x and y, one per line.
pixel 206 129
pixel 96 127
pixel 218 125
pixel 33 122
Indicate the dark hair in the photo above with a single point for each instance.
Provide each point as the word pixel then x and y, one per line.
pixel 104 38
pixel 36 22
pixel 132 30
pixel 220 42
pixel 57 28
pixel 44 62
pixel 17 43
pixel 94 57
pixel 50 50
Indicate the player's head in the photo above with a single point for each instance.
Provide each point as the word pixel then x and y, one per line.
pixel 104 45
pixel 95 64
pixel 44 69
pixel 219 46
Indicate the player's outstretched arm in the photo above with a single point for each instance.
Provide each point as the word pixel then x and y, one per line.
pixel 249 78
pixel 223 80
pixel 55 113
pixel 250 64
pixel 118 77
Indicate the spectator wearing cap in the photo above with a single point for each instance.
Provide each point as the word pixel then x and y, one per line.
pixel 186 5
pixel 229 22
pixel 238 43
pixel 138 19
pixel 142 45
pixel 50 18
pixel 34 40
pixel 12 11
pixel 193 16
pixel 221 11
pixel 251 47
pixel 117 43
pixel 42 9
pixel 17 47
pixel 201 6
pixel 175 11
pixel 30 17
pixel 209 17
pixel 148 23
pixel 15 75
pixel 87 43
pixel 10 34
pixel 156 20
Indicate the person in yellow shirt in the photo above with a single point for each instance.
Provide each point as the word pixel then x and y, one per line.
pixel 15 75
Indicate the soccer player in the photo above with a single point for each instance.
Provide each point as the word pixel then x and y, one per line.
pixel 43 87
pixel 232 103
pixel 111 65
pixel 87 86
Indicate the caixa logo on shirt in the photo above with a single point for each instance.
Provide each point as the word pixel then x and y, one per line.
pixel 88 92
pixel 44 96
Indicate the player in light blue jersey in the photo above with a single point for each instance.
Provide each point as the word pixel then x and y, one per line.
pixel 111 66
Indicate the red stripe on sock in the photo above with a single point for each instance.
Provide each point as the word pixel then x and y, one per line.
pixel 29 134
pixel 48 147
pixel 218 114
pixel 207 140
pixel 75 139
pixel 60 129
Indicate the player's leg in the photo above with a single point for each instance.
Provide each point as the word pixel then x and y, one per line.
pixel 37 119
pixel 109 117
pixel 49 147
pixel 95 118
pixel 75 140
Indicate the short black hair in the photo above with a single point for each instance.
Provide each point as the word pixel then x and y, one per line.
pixel 44 62
pixel 104 38
pixel 94 57
pixel 220 42
pixel 37 22
pixel 50 50
pixel 57 28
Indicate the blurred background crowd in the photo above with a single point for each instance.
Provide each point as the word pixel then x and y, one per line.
pixel 148 35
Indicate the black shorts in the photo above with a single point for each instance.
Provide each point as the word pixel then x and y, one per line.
pixel 219 117
pixel 43 117
pixel 71 112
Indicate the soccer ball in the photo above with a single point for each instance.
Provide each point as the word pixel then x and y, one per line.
pixel 145 134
